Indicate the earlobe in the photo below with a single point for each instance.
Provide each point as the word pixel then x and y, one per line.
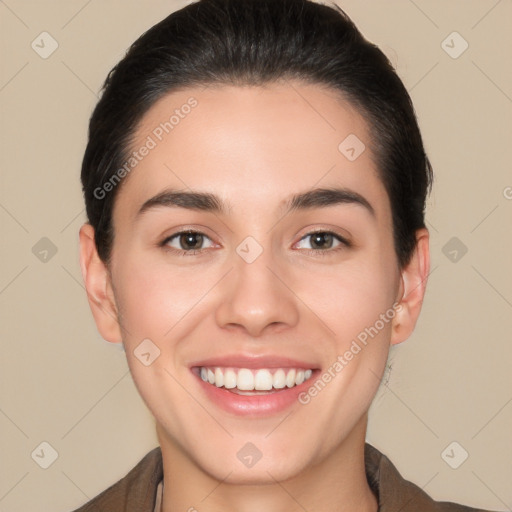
pixel 412 289
pixel 98 286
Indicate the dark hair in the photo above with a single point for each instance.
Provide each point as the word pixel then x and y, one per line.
pixel 254 42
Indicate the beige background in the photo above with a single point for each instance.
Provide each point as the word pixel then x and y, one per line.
pixel 61 383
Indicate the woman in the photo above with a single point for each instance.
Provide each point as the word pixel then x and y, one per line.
pixel 255 185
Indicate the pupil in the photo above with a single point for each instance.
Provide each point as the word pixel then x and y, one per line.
pixel 188 240
pixel 321 238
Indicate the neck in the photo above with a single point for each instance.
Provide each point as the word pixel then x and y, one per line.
pixel 337 483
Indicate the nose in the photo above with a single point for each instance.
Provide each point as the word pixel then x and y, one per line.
pixel 256 298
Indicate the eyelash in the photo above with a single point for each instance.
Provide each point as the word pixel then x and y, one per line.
pixel 344 243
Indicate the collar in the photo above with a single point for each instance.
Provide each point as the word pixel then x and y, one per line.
pixel 383 479
pixel 138 490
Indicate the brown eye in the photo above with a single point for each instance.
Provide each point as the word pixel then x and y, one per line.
pixel 186 241
pixel 322 242
pixel 191 240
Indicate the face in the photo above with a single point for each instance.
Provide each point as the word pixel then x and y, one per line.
pixel 252 250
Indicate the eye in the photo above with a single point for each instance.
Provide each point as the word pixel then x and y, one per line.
pixel 189 242
pixel 323 241
pixel 186 242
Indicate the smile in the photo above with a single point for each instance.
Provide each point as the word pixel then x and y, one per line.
pixel 253 387
pixel 261 379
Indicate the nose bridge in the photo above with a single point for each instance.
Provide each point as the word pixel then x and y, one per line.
pixel 255 298
pixel 252 268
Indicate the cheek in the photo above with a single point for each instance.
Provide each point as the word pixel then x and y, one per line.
pixel 154 297
pixel 156 304
pixel 158 300
pixel 349 296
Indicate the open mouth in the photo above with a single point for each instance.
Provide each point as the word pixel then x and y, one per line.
pixel 255 386
pixel 245 381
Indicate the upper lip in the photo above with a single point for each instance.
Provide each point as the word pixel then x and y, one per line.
pixel 254 361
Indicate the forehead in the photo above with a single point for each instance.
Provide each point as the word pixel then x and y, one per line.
pixel 251 145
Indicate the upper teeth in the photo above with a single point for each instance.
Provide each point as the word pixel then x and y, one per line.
pixel 259 380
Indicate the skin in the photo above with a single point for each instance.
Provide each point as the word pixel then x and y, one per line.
pixel 254 147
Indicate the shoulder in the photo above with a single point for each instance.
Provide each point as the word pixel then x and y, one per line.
pixel 135 492
pixel 395 493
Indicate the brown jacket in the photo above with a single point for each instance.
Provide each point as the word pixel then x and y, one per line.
pixel 137 491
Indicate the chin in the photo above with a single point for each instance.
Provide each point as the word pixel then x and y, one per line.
pixel 249 466
pixel 262 473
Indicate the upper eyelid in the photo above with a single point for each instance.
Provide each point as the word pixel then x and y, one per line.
pixel 340 237
pixel 167 239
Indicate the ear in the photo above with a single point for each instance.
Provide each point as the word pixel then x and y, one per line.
pixel 99 287
pixel 413 283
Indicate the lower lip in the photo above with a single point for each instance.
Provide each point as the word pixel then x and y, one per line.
pixel 254 405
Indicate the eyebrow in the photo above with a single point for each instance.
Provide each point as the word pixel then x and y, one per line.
pixel 205 201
